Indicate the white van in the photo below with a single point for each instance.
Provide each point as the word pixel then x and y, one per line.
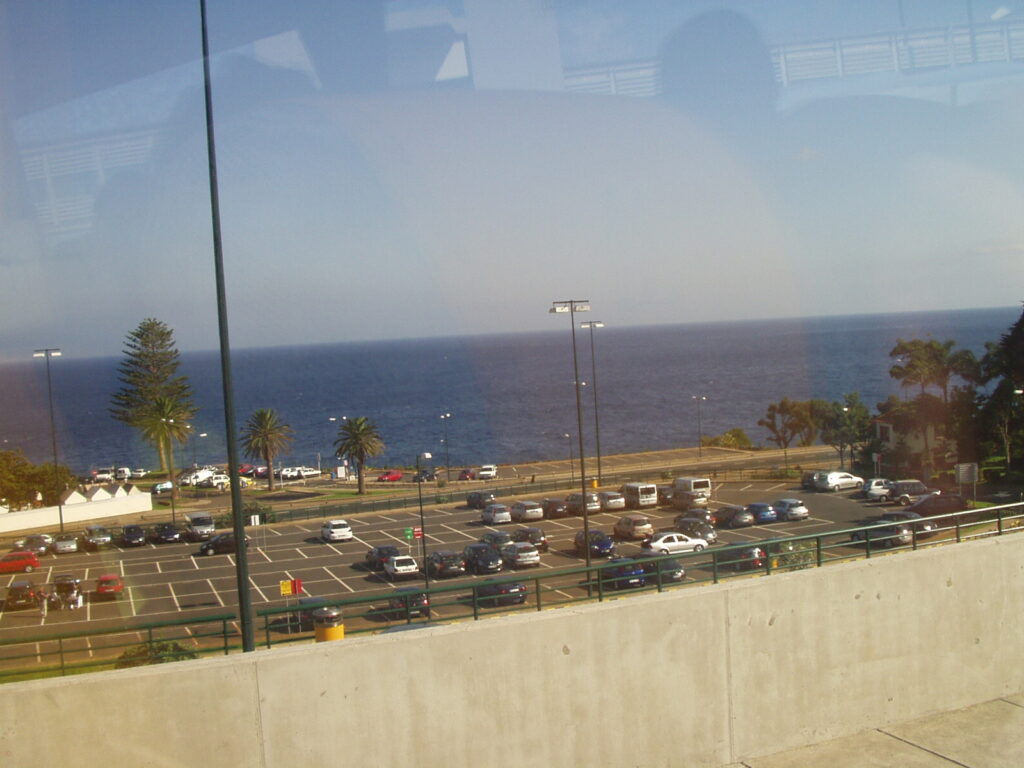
pixel 640 495
pixel 698 488
pixel 123 473
pixel 199 526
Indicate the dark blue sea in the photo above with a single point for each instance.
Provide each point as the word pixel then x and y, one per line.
pixel 511 397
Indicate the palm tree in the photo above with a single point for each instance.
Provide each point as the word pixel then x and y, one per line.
pixel 164 421
pixel 264 436
pixel 358 440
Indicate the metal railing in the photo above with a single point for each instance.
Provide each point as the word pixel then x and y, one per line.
pixel 71 653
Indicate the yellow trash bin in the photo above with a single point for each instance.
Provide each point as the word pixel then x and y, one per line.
pixel 328 624
pixel 593 482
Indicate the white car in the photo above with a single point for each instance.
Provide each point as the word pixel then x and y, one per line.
pixel 305 472
pixel 877 489
pixel 137 473
pixel 336 530
pixel 672 543
pixel 290 473
pixel 487 472
pixel 838 481
pixel 611 500
pixel 524 511
pixel 494 514
pixel 790 509
pixel 400 566
pixel 219 481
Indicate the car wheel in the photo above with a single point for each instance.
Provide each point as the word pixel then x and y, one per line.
pixel 29 568
pixel 208 551
pixel 835 489
pixel 698 547
pixel 904 501
pixel 858 486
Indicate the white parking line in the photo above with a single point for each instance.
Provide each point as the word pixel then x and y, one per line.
pixel 256 587
pixel 562 525
pixel 215 592
pixel 176 603
pixel 776 486
pixel 401 541
pixel 456 530
pixel 346 586
pixel 304 529
pixel 120 564
pixel 334 548
pixel 356 538
pixel 273 531
pixel 302 553
pixel 260 550
pixel 389 519
pixel 158 568
pixel 746 487
pixel 131 601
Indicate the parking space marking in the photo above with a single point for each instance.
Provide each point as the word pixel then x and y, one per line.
pixel 302 553
pixel 131 602
pixel 777 486
pixel 460 532
pixel 746 487
pixel 389 519
pixel 215 593
pixel 257 588
pixel 177 605
pixel 260 550
pixel 392 536
pixel 329 573
pixel 159 569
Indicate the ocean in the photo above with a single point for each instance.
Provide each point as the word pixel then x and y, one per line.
pixel 511 397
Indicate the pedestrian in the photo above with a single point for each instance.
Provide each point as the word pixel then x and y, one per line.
pixel 42 598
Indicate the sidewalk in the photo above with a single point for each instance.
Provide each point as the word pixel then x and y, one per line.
pixel 988 735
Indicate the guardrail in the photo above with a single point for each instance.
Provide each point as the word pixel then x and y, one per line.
pixel 73 653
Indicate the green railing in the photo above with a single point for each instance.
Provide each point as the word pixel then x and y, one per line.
pixel 70 653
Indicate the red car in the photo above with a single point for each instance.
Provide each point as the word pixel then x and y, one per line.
pixel 109 586
pixel 467 474
pixel 13 562
pixel 391 476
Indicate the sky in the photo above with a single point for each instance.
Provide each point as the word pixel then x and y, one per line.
pixel 421 170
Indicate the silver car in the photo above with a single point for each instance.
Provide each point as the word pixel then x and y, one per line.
pixel 672 543
pixel 65 544
pixel 524 511
pixel 494 514
pixel 790 509
pixel 520 554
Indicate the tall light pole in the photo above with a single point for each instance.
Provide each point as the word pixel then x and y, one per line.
pixel 48 353
pixel 170 473
pixel 332 420
pixel 700 427
pixel 423 523
pixel 447 460
pixel 572 460
pixel 592 324
pixel 571 307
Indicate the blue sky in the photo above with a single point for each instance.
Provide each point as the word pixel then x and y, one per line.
pixel 361 211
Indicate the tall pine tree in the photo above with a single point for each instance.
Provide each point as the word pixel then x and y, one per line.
pixel 149 374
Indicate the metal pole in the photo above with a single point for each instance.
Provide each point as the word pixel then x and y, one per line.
pixel 48 353
pixel 423 526
pixel 242 555
pixel 447 458
pixel 700 427
pixel 593 371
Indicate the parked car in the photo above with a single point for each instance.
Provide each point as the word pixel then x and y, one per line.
pixel 601 544
pixel 35 542
pixel 733 517
pixel 838 481
pixel 487 472
pixel 13 562
pixel 809 479
pixel 138 473
pixel 479 499
pixel 877 488
pixel 375 557
pixel 336 530
pixel 533 535
pixel 908 517
pixel 672 543
pixel 109 586
pixel 165 533
pixel 762 512
pixel 667 568
pixel 467 474
pixel 21 594
pixel 408 602
pixel 554 508
pixel 389 476
pixel 938 504
pixel 424 476
pixel 575 504
pixel 496 539
pixel 906 492
pixel 495 514
pixel 665 494
pixel 611 500
pixel 67 543
pixel 623 573
pixel 633 526
pixel 790 509
pixel 96 537
pixel 481 558
pixel 221 544
pixel 133 536
pixel 219 481
pixel 500 593
pixel 695 526
pixel 444 562
pixel 520 554
pixel 401 567
pixel 199 526
pixel 246 470
pixel 163 487
pixel 704 514
pixel 67 591
pixel 525 511
pixel 884 535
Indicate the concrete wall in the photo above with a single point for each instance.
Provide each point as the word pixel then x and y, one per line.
pixel 700 676
pixel 46 518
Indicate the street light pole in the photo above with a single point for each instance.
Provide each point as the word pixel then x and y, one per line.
pixel 572 461
pixel 592 324
pixel 700 427
pixel 423 523
pixel 331 419
pixel 447 459
pixel 48 353
pixel 572 306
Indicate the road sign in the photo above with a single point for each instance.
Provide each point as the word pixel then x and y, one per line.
pixel 417 532
pixel 286 588
pixel 967 473
pixel 408 534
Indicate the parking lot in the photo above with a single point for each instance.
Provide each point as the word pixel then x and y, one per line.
pixel 173 581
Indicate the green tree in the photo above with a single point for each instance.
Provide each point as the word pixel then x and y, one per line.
pixel 734 438
pixel 149 371
pixel 358 440
pixel 782 420
pixel 265 436
pixel 23 484
pixel 1002 368
pixel 163 422
pixel 847 425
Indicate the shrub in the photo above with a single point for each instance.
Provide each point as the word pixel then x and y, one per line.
pixel 155 652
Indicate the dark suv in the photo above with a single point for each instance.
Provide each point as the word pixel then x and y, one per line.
pixel 21 594
pixel 444 562
pixel 482 558
pixel 479 499
pixel 533 535
pixel 906 492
